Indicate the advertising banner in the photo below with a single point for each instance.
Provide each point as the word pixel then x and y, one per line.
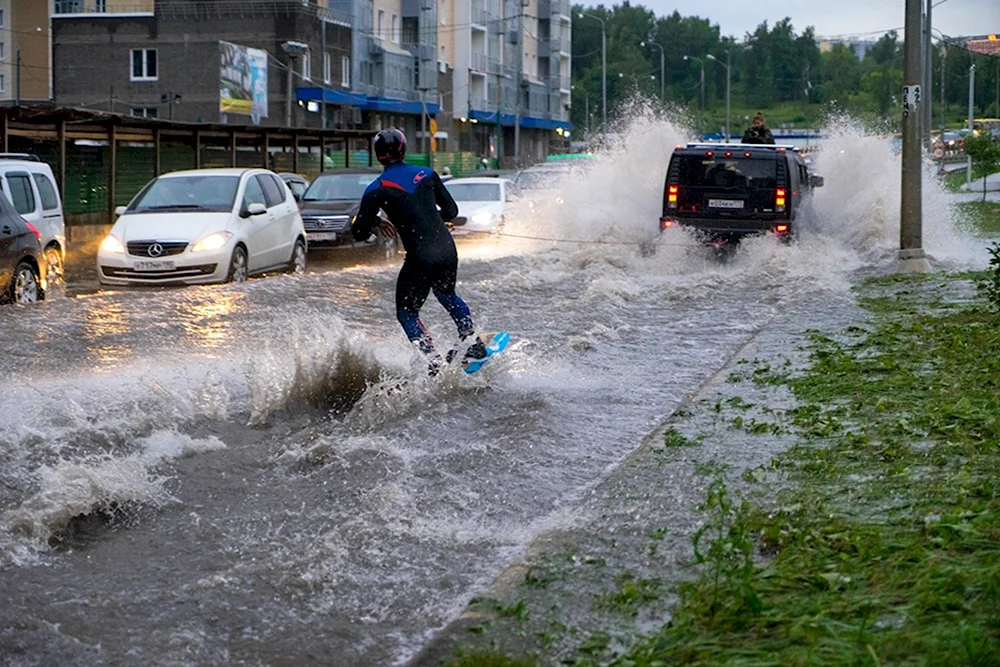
pixel 242 81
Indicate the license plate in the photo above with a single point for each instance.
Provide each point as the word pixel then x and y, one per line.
pixel 322 236
pixel 167 265
pixel 725 203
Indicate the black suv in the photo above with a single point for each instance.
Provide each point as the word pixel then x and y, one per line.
pixel 728 191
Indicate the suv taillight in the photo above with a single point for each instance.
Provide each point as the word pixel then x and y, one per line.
pixel 779 200
pixel 672 196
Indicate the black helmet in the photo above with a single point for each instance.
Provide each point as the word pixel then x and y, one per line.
pixel 390 145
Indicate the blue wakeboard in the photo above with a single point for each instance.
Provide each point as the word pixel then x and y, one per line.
pixel 496 345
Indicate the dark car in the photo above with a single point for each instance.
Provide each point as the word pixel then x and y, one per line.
pixel 297 184
pixel 331 202
pixel 22 262
pixel 729 191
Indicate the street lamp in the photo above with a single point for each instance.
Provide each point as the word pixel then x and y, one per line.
pixel 604 70
pixel 729 76
pixel 662 71
pixel 701 65
pixel 294 50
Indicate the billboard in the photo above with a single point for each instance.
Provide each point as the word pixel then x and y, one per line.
pixel 242 81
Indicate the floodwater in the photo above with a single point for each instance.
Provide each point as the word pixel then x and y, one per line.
pixel 219 475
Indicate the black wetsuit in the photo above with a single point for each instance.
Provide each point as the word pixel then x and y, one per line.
pixel 410 196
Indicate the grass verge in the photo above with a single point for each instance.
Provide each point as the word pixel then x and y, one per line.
pixel 874 539
pixel 954 181
pixel 886 549
pixel 982 216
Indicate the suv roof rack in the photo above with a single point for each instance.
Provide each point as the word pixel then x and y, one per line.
pixel 739 146
pixel 19 156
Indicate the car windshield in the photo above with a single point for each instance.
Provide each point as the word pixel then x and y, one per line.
pixel 474 191
pixel 338 186
pixel 194 193
pixel 714 172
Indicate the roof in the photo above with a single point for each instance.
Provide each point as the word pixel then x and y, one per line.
pixel 349 170
pixel 486 180
pixel 222 171
pixel 739 147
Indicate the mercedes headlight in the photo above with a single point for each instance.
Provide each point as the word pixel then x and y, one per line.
pixel 212 242
pixel 111 244
pixel 483 218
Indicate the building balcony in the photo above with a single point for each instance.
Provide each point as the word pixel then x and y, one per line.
pixel 478 62
pixel 479 17
pixel 91 7
pixel 561 8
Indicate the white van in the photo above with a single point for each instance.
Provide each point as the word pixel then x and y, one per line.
pixel 30 186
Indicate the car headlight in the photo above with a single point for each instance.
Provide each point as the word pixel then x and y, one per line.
pixel 483 218
pixel 212 242
pixel 113 245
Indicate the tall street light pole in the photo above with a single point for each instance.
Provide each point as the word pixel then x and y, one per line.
pixel 911 253
pixel 701 109
pixel 972 95
pixel 729 77
pixel 604 71
pixel 663 87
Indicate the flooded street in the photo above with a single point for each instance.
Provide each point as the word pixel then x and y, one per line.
pixel 217 474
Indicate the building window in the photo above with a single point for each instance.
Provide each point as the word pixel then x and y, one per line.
pixel 327 67
pixel 3 83
pixel 3 51
pixel 69 7
pixel 144 112
pixel 144 65
pixel 395 28
pixel 345 71
pixel 100 6
pixel 306 67
pixel 1 17
pixel 381 24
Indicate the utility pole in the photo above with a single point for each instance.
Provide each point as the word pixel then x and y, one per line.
pixel 926 113
pixel 972 94
pixel 19 78
pixel 517 82
pixel 327 71
pixel 911 254
pixel 944 61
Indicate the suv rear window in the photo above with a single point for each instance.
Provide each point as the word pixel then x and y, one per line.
pixel 722 172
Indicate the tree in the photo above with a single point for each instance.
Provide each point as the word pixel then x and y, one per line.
pixel 985 153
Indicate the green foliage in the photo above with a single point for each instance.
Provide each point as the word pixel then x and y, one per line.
pixel 991 286
pixel 786 66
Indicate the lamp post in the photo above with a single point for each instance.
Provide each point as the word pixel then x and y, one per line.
pixel 972 95
pixel 701 109
pixel 662 72
pixel 604 70
pixel 728 84
pixel 294 50
pixel 729 78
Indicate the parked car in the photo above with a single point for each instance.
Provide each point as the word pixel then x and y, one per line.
pixel 22 259
pixel 331 203
pixel 297 184
pixel 204 226
pixel 30 186
pixel 729 191
pixel 483 203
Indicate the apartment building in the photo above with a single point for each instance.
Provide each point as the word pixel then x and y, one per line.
pixel 25 51
pixel 348 63
pixel 509 70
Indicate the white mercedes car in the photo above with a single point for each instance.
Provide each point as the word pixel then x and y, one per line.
pixel 204 226
pixel 483 203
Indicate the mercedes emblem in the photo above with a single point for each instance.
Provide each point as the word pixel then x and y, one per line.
pixel 155 250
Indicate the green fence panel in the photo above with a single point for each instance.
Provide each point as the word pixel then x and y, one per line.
pixel 88 170
pixel 136 167
pixel 176 157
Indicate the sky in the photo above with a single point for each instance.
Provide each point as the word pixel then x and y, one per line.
pixel 834 17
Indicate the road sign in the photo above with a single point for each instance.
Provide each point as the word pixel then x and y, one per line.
pixel 911 99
